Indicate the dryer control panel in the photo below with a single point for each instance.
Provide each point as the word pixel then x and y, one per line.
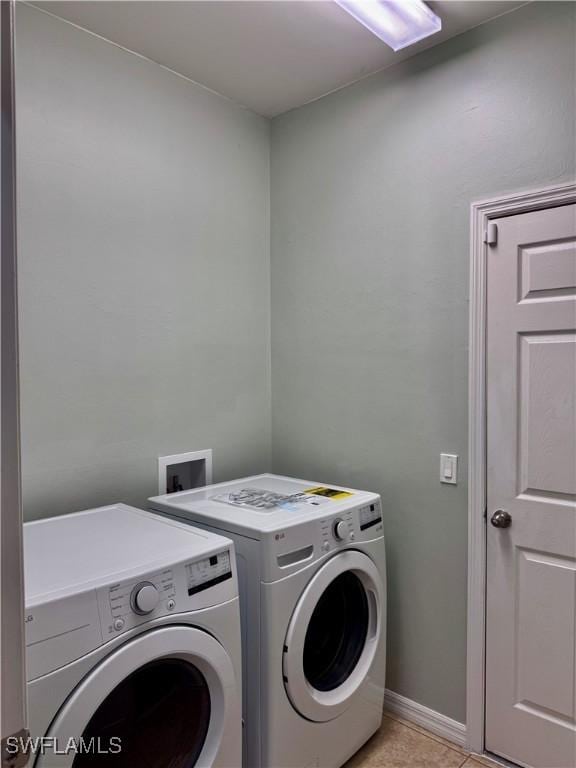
pixel 62 630
pixel 208 572
pixel 184 587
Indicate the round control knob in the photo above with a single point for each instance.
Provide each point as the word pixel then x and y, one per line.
pixel 340 530
pixel 144 598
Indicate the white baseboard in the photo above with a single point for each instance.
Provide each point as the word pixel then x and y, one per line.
pixel 433 721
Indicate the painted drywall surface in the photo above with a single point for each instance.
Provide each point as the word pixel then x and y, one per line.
pixel 371 189
pixel 144 272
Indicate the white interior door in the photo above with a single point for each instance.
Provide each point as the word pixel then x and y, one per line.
pixel 531 490
pixel 12 676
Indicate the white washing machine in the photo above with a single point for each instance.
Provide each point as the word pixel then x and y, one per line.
pixel 311 566
pixel 133 642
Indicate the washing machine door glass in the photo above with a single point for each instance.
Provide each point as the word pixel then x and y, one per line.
pixel 164 698
pixel 164 704
pixel 333 636
pixel 336 633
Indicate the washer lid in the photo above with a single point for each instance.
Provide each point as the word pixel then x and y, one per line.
pixel 254 506
pixel 71 553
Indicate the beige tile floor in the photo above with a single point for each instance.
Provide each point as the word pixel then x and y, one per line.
pixel 400 744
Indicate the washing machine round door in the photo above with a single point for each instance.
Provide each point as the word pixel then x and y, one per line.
pixel 333 636
pixel 162 699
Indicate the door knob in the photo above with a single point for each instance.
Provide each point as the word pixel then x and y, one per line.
pixel 501 519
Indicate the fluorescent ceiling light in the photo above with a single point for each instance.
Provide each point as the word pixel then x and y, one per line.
pixel 398 23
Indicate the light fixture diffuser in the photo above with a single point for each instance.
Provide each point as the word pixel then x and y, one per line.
pixel 398 23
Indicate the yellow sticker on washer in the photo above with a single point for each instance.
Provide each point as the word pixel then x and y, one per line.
pixel 329 493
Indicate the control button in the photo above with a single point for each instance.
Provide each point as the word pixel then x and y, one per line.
pixel 171 604
pixel 144 598
pixel 340 530
pixel 326 546
pixel 118 624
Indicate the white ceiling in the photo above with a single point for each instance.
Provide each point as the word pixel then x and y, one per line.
pixel 270 56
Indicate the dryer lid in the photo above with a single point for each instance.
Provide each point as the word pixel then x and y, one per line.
pixel 70 553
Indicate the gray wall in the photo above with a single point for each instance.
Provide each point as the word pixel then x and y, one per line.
pixel 144 271
pixel 371 189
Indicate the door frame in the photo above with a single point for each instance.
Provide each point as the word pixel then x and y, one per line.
pixel 481 214
pixel 12 656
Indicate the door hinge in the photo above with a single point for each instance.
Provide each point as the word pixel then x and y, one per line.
pixel 15 749
pixel 491 233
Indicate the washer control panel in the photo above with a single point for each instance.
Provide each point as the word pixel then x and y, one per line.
pixel 356 524
pixel 338 530
pixel 181 588
pixel 344 528
pixel 341 530
pixel 370 515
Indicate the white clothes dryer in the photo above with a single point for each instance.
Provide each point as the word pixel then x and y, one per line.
pixel 311 564
pixel 133 643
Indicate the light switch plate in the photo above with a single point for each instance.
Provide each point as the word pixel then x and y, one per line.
pixel 449 468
